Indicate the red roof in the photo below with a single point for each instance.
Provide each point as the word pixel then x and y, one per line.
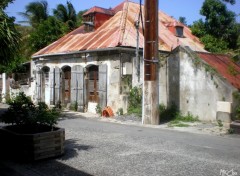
pixel 96 9
pixel 120 30
pixel 224 66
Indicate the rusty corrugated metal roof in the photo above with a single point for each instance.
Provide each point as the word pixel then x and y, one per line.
pixel 96 9
pixel 120 31
pixel 224 66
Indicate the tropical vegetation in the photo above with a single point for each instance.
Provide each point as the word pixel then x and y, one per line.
pixel 9 36
pixel 219 31
pixel 20 41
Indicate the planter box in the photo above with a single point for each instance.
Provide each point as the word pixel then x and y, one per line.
pixel 235 125
pixel 32 147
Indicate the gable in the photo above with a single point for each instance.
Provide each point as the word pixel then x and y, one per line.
pixel 224 66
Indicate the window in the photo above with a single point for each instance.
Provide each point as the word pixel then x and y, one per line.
pixel 179 31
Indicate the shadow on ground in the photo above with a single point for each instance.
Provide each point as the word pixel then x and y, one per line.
pixel 72 148
pixel 70 115
pixel 40 168
pixel 10 166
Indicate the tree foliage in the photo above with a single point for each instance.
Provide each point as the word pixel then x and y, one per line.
pixel 47 32
pixel 219 31
pixel 36 12
pixel 230 1
pixel 182 20
pixel 80 18
pixel 9 36
pixel 4 3
pixel 214 44
pixel 66 14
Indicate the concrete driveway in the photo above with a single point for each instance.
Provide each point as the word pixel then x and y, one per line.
pixel 101 148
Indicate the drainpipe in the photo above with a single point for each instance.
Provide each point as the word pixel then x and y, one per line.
pixel 54 86
pixel 137 50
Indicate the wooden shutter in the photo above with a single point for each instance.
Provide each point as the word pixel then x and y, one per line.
pixel 73 85
pixel 52 83
pixel 80 87
pixel 102 86
pixel 38 85
pixel 57 85
pixel 77 87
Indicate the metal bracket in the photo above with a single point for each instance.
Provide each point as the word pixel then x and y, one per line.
pixel 152 60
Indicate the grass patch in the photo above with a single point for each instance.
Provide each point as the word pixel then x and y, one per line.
pixel 179 124
pixel 188 118
pixel 135 110
pixel 174 117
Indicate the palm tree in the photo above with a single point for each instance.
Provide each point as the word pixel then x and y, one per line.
pixel 9 38
pixel 36 12
pixel 66 14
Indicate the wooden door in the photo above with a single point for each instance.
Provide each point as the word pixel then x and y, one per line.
pixel 66 85
pixel 93 84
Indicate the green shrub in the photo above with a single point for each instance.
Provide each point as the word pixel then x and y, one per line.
pixel 220 124
pixel 98 109
pixel 120 111
pixel 167 114
pixel 22 111
pixel 237 116
pixel 231 131
pixel 135 101
pixel 74 106
pixel 8 98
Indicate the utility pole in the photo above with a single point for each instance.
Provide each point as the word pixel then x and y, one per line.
pixel 150 87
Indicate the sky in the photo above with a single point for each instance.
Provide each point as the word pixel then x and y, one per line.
pixel 176 8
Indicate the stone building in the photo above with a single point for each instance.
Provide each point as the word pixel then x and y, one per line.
pixel 98 62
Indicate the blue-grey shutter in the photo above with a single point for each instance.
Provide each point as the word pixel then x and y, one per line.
pixel 73 85
pixel 80 87
pixel 102 86
pixel 52 83
pixel 77 87
pixel 38 85
pixel 57 85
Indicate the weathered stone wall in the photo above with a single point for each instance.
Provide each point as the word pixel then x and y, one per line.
pixel 194 87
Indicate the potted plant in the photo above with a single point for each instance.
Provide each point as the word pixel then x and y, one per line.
pixel 32 134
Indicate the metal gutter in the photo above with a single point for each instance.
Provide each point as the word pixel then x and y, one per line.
pixel 85 51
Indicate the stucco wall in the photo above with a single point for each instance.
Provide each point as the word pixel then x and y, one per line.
pixel 194 89
pixel 115 99
pixel 163 80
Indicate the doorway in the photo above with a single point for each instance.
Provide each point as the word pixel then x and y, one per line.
pixel 45 84
pixel 66 84
pixel 93 95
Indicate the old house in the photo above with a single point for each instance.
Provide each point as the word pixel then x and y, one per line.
pixel 97 62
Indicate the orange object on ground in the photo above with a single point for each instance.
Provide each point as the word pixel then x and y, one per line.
pixel 107 112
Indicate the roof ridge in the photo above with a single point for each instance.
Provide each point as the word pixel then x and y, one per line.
pixel 123 22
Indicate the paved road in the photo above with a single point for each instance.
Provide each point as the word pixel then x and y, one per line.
pixel 100 148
